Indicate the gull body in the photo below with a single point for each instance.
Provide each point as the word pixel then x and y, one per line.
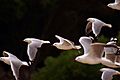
pixel 115 5
pixel 95 25
pixel 33 45
pixel 108 73
pixel 89 56
pixel 14 62
pixel 110 55
pixel 65 44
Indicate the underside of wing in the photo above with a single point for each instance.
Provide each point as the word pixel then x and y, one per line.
pixel 97 49
pixel 15 69
pixel 88 28
pixel 111 57
pixel 32 52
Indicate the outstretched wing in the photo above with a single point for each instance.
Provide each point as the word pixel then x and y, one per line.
pixel 31 52
pixel 64 41
pixel 96 49
pixel 15 69
pixel 106 75
pixel 117 1
pixel 88 28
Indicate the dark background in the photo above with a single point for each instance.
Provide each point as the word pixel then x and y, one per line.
pixel 43 19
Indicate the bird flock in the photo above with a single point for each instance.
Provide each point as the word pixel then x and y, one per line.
pixel 94 52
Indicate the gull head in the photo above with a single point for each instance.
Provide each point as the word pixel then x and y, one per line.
pixel 110 5
pixel 55 44
pixel 113 39
pixel 5 53
pixel 91 19
pixel 79 59
pixel 103 69
pixel 28 40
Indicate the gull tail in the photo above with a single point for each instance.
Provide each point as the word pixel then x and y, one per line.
pixel 46 41
pixel 108 25
pixel 77 47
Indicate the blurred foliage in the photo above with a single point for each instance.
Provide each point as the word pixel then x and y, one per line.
pixel 64 67
pixel 103 39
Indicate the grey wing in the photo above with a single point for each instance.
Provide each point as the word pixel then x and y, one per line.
pixel 106 75
pixel 111 57
pixel 118 58
pixel 31 52
pixel 15 69
pixel 60 38
pixel 97 49
pixel 88 28
pixel 117 1
pixel 64 41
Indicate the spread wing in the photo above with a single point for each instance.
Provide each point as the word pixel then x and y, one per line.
pixel 106 75
pixel 15 69
pixel 64 41
pixel 96 50
pixel 88 28
pixel 117 1
pixel 32 50
pixel 111 57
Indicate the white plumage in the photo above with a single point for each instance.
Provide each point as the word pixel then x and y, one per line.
pixel 115 5
pixel 14 62
pixel 33 44
pixel 95 25
pixel 108 73
pixel 65 44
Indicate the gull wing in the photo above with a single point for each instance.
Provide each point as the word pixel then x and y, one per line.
pixel 85 42
pixel 117 59
pixel 106 75
pixel 111 57
pixel 15 68
pixel 31 51
pixel 88 28
pixel 96 50
pixel 117 1
pixel 64 41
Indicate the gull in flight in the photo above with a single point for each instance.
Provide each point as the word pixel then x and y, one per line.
pixel 33 44
pixel 115 5
pixel 95 25
pixel 65 44
pixel 14 62
pixel 110 53
pixel 90 55
pixel 108 73
pixel 93 53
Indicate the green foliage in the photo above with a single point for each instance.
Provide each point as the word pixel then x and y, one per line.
pixel 64 67
pixel 103 39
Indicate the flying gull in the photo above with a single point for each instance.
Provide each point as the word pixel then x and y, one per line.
pixel 65 44
pixel 115 5
pixel 33 44
pixel 14 62
pixel 108 73
pixel 89 56
pixel 95 25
